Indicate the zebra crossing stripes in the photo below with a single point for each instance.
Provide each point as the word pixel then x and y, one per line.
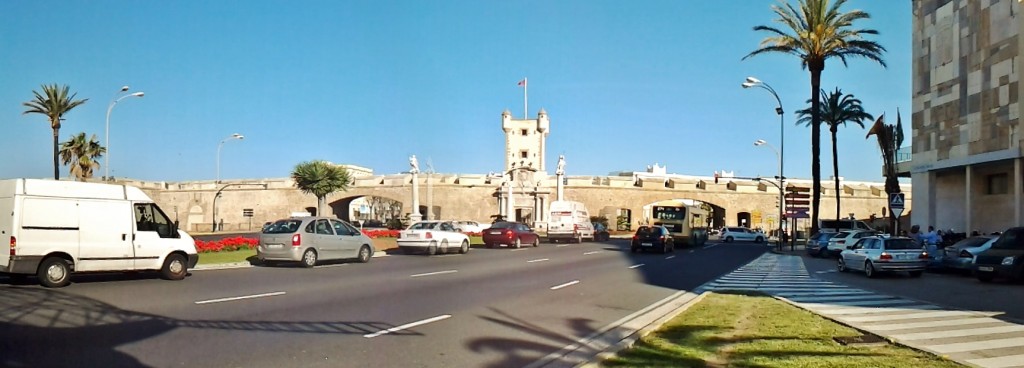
pixel 970 337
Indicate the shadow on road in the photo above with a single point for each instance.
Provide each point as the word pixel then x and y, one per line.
pixel 521 352
pixel 49 328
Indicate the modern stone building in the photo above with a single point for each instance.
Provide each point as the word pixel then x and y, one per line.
pixel 966 145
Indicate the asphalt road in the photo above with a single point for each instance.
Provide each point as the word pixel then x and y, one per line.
pixel 948 289
pixel 488 308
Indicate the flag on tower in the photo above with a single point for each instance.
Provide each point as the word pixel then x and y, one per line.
pixel 522 83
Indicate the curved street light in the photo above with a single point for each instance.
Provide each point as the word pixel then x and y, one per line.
pixel 757 83
pixel 221 144
pixel 114 101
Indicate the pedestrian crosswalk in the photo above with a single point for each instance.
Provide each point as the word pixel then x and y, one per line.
pixel 971 337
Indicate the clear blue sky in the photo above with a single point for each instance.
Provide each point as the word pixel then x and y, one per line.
pixel 626 84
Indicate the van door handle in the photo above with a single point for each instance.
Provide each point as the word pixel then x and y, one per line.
pixel 124 237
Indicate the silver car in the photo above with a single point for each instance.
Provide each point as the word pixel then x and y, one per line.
pixel 311 239
pixel 879 254
pixel 960 256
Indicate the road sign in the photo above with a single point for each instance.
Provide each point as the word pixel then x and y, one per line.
pixel 797 202
pixel 797 213
pixel 896 204
pixel 797 195
pixel 798 189
pixel 247 212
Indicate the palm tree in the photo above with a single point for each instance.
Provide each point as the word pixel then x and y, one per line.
pixel 54 102
pixel 819 32
pixel 320 178
pixel 837 110
pixel 81 154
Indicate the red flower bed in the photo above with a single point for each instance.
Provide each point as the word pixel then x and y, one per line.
pixel 374 234
pixel 226 244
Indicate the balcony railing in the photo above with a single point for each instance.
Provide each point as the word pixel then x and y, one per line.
pixel 903 154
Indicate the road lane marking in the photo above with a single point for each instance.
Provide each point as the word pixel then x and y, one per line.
pixel 519 249
pixel 589 253
pixel 691 251
pixel 333 265
pixel 709 246
pixel 670 257
pixel 407 325
pixel 562 245
pixel 570 283
pixel 239 298
pixel 538 260
pixel 637 265
pixel 433 273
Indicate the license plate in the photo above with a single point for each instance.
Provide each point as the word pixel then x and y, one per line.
pixel 496 233
pixel 986 268
pixel 273 246
pixel 646 244
pixel 900 256
pixel 412 236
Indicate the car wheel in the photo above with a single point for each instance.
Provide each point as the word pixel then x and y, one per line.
pixel 916 273
pixel 54 272
pixel 759 240
pixel 464 248
pixel 536 242
pixel 309 258
pixel 869 270
pixel 175 267
pixel 432 248
pixel 728 239
pixel 672 247
pixel 579 239
pixel 986 276
pixel 364 254
pixel 518 244
pixel 444 246
pixel 841 265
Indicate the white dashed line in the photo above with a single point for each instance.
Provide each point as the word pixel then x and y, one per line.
pixel 538 260
pixel 433 273
pixel 589 253
pixel 638 265
pixel 570 283
pixel 516 250
pixel 562 245
pixel 408 325
pixel 691 251
pixel 240 298
pixel 709 246
pixel 670 257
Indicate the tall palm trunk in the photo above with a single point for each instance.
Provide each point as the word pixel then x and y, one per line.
pixel 56 163
pixel 815 66
pixel 835 172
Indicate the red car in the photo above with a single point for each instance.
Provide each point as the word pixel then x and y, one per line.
pixel 513 234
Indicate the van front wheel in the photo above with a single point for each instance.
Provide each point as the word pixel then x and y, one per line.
pixel 174 268
pixel 54 272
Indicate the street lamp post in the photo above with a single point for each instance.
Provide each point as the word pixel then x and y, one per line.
pixel 221 144
pixel 778 156
pixel 114 101
pixel 754 82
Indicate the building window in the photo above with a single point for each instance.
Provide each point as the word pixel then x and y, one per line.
pixel 998 184
pixel 524 131
pixel 524 154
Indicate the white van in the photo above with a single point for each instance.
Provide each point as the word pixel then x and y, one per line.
pixel 569 221
pixel 59 227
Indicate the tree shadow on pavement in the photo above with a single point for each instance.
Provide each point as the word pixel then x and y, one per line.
pixel 522 352
pixel 50 328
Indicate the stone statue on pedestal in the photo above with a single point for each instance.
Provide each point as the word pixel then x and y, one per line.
pixel 560 169
pixel 414 165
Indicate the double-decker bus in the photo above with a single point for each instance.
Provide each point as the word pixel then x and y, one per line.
pixel 685 219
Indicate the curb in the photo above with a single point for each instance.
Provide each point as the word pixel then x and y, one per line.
pixel 234 265
pixel 609 340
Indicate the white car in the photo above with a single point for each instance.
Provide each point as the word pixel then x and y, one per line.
pixel 838 243
pixel 731 234
pixel 469 226
pixel 432 237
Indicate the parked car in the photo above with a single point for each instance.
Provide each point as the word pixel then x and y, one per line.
pixel 730 234
pixel 601 232
pixel 876 254
pixel 469 226
pixel 310 239
pixel 652 238
pixel 1004 259
pixel 842 239
pixel 432 237
pixel 512 234
pixel 960 255
pixel 817 245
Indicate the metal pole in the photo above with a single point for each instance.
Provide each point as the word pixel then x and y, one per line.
pixel 219 146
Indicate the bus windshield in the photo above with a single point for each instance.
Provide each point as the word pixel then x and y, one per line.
pixel 669 213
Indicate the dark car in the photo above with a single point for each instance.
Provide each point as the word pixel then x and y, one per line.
pixel 601 232
pixel 513 234
pixel 651 238
pixel 1004 259
pixel 817 245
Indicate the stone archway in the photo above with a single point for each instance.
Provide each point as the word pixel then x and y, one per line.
pixel 743 219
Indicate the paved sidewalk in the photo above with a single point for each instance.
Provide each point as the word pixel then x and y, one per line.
pixel 974 338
